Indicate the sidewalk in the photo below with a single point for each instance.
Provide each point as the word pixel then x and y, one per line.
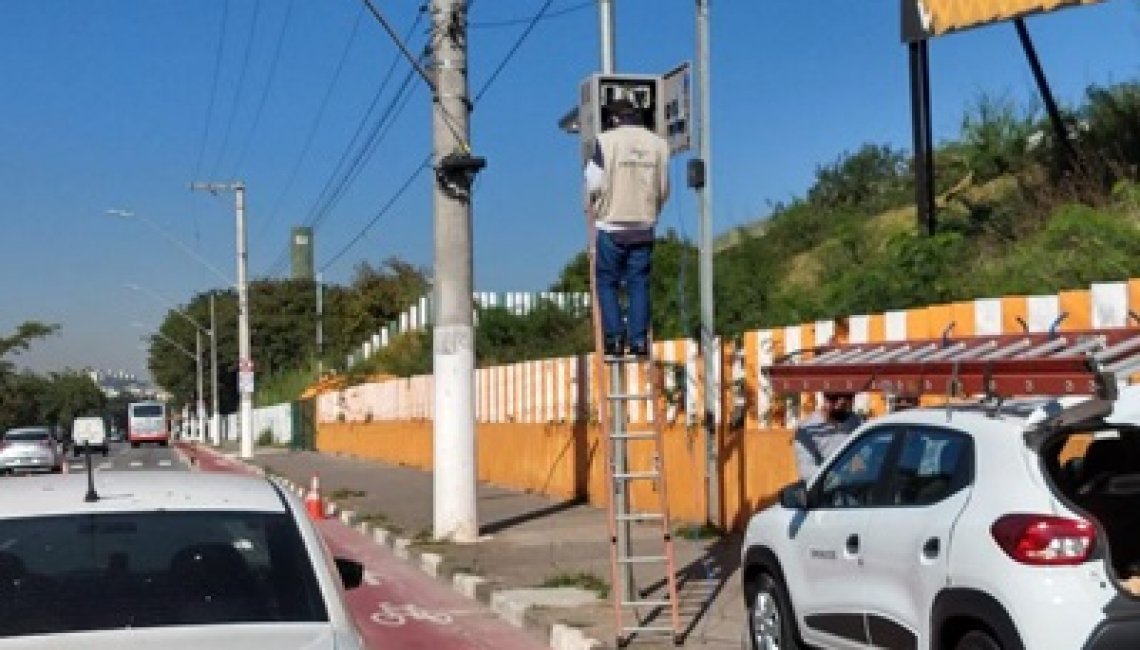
pixel 528 541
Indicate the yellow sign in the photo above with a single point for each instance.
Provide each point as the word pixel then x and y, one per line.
pixel 926 18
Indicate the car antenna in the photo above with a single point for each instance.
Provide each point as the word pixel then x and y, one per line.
pixel 91 494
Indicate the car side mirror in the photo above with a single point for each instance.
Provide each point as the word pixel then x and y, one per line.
pixel 795 496
pixel 351 572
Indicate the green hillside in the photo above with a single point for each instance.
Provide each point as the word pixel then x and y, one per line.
pixel 1018 211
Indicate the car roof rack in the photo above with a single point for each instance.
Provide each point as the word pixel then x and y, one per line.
pixel 1085 362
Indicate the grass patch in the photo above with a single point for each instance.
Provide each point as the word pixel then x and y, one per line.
pixel 374 519
pixel 347 493
pixel 580 579
pixel 698 531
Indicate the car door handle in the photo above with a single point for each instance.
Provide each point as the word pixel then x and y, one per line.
pixel 931 548
pixel 853 544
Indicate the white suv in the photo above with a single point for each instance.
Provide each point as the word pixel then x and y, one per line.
pixel 1012 527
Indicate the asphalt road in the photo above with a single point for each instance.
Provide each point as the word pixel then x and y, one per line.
pixel 122 457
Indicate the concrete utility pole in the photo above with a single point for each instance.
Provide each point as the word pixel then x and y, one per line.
pixel 453 355
pixel 245 362
pixel 709 349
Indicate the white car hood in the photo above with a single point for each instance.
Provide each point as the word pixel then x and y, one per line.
pixel 273 636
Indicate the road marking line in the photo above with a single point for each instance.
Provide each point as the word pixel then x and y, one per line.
pixel 135 463
pixel 164 463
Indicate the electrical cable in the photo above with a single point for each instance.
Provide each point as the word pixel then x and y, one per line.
pixel 364 154
pixel 324 201
pixel 314 126
pixel 387 206
pixel 514 48
pixel 264 90
pixel 237 91
pixel 491 24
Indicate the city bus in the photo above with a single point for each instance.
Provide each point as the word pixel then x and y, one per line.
pixel 146 422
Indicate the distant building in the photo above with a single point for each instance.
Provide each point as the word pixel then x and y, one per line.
pixel 115 383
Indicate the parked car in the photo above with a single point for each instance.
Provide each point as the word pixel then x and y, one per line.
pixel 1008 527
pixel 30 449
pixel 89 431
pixel 168 559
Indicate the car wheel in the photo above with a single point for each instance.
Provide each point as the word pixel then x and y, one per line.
pixel 770 622
pixel 977 640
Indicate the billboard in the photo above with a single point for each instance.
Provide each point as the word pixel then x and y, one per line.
pixel 923 19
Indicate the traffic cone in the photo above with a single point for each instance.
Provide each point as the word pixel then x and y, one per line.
pixel 313 503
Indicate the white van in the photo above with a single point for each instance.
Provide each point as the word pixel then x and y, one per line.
pixel 89 431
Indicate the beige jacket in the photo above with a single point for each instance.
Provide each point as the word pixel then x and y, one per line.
pixel 634 185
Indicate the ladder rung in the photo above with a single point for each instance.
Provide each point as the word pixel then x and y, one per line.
pixel 625 358
pixel 636 435
pixel 641 559
pixel 630 397
pixel 648 628
pixel 633 476
pixel 646 603
pixel 640 516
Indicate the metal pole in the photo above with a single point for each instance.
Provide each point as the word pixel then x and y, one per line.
pixel 606 32
pixel 453 354
pixel 215 417
pixel 1051 108
pixel 709 347
pixel 201 413
pixel 922 137
pixel 320 326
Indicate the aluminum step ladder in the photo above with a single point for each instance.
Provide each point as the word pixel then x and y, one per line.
pixel 638 613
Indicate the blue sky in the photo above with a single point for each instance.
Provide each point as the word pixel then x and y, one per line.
pixel 120 104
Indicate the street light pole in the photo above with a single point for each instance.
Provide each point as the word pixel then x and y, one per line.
pixel 216 417
pixel 245 362
pixel 215 421
pixel 710 350
pixel 201 415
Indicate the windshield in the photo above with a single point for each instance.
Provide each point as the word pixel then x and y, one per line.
pixel 146 411
pixel 117 570
pixel 26 435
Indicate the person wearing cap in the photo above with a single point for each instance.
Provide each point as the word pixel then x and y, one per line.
pixel 627 184
pixel 818 437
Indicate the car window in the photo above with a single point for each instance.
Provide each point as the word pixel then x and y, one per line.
pixel 851 480
pixel 117 570
pixel 26 435
pixel 933 463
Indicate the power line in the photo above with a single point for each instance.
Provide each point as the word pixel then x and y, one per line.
pixel 237 91
pixel 515 48
pixel 264 90
pixel 400 44
pixel 387 206
pixel 490 24
pixel 314 126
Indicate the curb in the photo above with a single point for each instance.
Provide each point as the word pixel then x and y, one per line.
pixel 503 602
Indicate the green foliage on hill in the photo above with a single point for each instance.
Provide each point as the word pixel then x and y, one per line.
pixel 1018 212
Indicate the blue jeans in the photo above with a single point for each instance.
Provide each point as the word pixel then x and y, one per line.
pixel 617 263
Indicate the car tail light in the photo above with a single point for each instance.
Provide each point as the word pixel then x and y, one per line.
pixel 1044 540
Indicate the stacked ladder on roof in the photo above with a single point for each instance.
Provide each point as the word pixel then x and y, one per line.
pixel 1009 365
pixel 637 612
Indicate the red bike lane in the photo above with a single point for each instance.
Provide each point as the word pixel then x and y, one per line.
pixel 399 606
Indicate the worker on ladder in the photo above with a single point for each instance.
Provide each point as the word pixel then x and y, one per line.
pixel 627 184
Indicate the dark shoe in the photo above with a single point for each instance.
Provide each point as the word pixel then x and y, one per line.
pixel 614 347
pixel 639 349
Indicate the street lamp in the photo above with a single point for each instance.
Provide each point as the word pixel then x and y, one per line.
pixel 197 356
pixel 215 418
pixel 215 429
